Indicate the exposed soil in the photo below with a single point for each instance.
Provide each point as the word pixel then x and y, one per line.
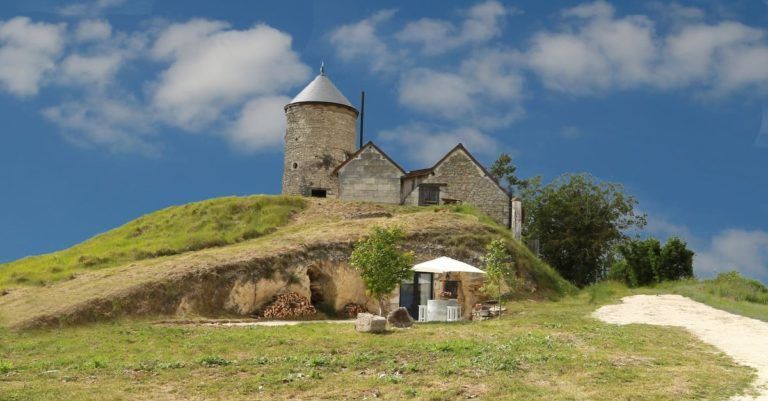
pixel 742 338
pixel 309 256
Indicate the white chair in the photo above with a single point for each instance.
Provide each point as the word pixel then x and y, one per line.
pixel 422 313
pixel 453 313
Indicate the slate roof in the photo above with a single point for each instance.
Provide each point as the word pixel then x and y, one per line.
pixel 322 90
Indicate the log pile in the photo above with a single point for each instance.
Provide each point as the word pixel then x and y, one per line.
pixel 352 309
pixel 288 306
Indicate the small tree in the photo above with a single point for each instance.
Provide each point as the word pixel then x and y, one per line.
pixel 646 262
pixel 504 171
pixel 381 262
pixel 498 268
pixel 676 260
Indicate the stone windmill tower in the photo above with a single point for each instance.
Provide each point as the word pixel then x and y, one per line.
pixel 320 134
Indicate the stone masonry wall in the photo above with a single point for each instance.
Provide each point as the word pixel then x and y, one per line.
pixel 318 137
pixel 467 182
pixel 370 177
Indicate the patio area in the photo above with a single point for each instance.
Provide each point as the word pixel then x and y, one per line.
pixel 433 293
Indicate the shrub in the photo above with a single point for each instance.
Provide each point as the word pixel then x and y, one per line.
pixel 212 360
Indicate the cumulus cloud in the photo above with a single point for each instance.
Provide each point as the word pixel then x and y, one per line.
pixel 602 53
pixel 93 30
pixel 261 124
pixel 215 68
pixel 28 51
pixel 598 51
pixel 360 41
pixel 742 250
pixel 482 23
pixel 119 125
pixel 424 145
pixel 482 82
pixel 96 70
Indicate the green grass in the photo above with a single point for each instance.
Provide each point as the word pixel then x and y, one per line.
pixel 540 350
pixel 166 232
pixel 728 291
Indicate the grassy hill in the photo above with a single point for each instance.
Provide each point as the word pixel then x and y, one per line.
pixel 199 252
pixel 170 231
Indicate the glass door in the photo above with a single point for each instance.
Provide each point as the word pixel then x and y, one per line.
pixel 416 291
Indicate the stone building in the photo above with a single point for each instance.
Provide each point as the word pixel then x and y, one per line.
pixel 322 159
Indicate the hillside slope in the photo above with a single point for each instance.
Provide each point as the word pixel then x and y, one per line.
pixel 224 281
pixel 169 231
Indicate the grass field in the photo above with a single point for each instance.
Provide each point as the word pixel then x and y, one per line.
pixel 170 231
pixel 540 350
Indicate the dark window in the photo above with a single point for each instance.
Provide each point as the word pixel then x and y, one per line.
pixel 318 193
pixel 429 195
pixel 295 166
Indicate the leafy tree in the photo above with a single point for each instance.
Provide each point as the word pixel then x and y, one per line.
pixel 643 261
pixel 498 268
pixel 676 260
pixel 578 221
pixel 503 170
pixel 381 262
pixel 646 262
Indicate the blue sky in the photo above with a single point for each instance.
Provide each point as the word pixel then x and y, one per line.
pixel 113 108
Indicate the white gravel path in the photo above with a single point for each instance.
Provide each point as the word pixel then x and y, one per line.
pixel 742 338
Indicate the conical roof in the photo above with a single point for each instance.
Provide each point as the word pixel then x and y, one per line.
pixel 322 90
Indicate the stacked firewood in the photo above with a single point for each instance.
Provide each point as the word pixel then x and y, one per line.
pixel 288 306
pixel 352 309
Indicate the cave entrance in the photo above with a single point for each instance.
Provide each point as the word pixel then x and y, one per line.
pixel 321 290
pixel 315 287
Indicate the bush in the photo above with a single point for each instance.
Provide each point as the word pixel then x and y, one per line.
pixel 737 287
pixel 646 262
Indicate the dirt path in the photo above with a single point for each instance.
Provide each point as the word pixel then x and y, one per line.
pixel 742 338
pixel 276 323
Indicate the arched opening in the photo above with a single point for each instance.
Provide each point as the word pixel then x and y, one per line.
pixel 322 290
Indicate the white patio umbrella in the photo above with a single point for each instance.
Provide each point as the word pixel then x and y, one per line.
pixel 445 264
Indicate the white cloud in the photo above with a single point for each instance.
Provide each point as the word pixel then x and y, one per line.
pixel 361 42
pixel 96 70
pixel 436 92
pixel 742 250
pixel 214 69
pixel 28 51
pixel 474 92
pixel 93 31
pixel 177 37
pixel 425 145
pixel 482 23
pixel 602 53
pixel 261 124
pixel 598 51
pixel 119 125
pixel 664 229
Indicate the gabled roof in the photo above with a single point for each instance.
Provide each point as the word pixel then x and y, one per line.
pixel 425 171
pixel 359 151
pixel 322 90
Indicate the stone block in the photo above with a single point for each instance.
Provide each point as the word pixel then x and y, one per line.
pixel 368 323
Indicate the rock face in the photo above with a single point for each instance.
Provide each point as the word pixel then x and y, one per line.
pixel 368 323
pixel 400 318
